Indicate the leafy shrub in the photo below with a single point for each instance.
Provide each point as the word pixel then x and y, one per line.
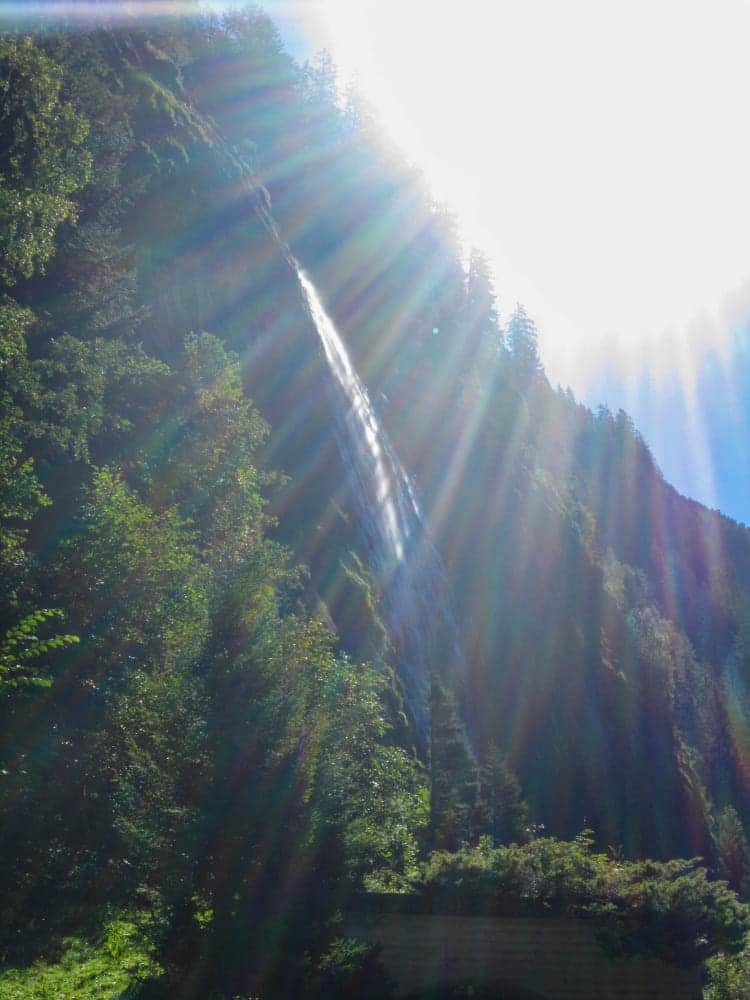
pixel 667 909
pixel 350 969
pixel 113 966
pixel 728 976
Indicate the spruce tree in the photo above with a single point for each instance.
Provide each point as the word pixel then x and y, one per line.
pixel 505 813
pixel 523 344
pixel 454 776
pixel 733 851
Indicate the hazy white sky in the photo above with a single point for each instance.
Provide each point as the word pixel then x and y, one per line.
pixel 599 153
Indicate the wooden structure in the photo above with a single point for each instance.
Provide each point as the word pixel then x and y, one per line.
pixel 549 958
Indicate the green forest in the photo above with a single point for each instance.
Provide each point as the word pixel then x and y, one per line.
pixel 208 741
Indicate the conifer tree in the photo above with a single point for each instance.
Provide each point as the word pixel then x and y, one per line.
pixel 733 851
pixel 454 776
pixel 523 344
pixel 484 331
pixel 505 813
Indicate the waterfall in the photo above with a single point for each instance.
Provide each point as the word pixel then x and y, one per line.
pixel 414 596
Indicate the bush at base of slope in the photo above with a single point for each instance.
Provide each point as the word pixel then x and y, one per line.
pixel 113 965
pixel 670 910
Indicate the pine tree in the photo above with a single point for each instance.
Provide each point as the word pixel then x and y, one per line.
pixel 484 333
pixel 454 776
pixel 733 851
pixel 506 814
pixel 523 344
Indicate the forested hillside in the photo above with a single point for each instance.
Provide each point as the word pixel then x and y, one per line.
pixel 207 739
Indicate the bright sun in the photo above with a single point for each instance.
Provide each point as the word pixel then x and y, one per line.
pixel 597 151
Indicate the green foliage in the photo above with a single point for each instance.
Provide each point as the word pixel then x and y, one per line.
pixel 113 965
pixel 42 161
pixel 728 976
pixel 21 493
pixel 21 644
pixel 133 559
pixel 375 789
pixel 208 466
pixel 349 969
pixel 523 347
pixel 91 394
pixel 506 814
pixel 732 851
pixel 667 909
pixel 357 614
pixel 14 322
pixel 454 775
pixel 554 875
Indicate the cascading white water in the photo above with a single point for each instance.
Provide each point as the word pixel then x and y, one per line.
pixel 414 590
pixel 380 463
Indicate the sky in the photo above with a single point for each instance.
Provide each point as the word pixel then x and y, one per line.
pixel 599 153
